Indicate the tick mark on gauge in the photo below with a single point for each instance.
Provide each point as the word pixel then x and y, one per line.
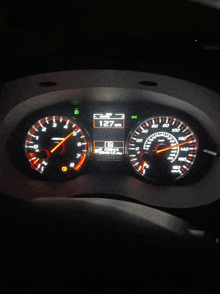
pixel 210 152
pixel 32 158
pixel 40 124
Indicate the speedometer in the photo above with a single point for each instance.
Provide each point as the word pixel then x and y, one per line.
pixel 162 148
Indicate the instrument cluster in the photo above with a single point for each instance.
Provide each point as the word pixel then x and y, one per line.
pixel 148 141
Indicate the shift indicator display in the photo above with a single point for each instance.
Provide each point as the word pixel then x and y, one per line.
pixel 108 147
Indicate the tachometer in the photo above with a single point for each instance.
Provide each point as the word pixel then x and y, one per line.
pixel 162 148
pixel 56 146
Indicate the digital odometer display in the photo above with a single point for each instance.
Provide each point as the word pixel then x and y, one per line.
pixel 108 134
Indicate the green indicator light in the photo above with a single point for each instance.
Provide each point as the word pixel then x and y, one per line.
pixel 75 101
pixel 74 117
pixel 76 111
pixel 139 121
pixel 134 117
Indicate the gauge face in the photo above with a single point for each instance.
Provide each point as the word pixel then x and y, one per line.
pixel 56 147
pixel 162 148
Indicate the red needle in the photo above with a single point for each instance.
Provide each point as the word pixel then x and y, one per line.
pixel 62 141
pixel 161 150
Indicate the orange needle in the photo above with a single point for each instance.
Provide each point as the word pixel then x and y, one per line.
pixel 158 151
pixel 143 166
pixel 36 160
pixel 62 141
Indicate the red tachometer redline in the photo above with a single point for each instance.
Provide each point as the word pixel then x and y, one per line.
pixel 80 162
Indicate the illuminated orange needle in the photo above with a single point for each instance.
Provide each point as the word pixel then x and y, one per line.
pixel 36 160
pixel 62 141
pixel 158 151
pixel 143 166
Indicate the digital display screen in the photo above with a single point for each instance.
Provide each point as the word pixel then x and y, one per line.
pixel 108 147
pixel 109 120
pixel 108 134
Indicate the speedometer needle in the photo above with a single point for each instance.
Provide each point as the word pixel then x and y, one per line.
pixel 162 150
pixel 51 151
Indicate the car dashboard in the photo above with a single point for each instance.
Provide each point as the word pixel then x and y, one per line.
pixel 109 146
pixel 149 146
pixel 86 122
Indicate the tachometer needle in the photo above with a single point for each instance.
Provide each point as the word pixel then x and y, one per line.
pixel 162 150
pixel 51 151
pixel 36 160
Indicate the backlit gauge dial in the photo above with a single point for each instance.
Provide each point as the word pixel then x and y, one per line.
pixel 162 148
pixel 56 146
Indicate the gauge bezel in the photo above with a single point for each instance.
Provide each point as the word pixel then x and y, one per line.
pixel 18 156
pixel 178 179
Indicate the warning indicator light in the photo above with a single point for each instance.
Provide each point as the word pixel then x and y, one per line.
pixel 64 168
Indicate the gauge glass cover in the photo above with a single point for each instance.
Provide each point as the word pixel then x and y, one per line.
pixel 56 147
pixel 162 148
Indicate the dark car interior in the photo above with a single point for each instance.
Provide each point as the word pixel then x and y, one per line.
pixel 109 146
